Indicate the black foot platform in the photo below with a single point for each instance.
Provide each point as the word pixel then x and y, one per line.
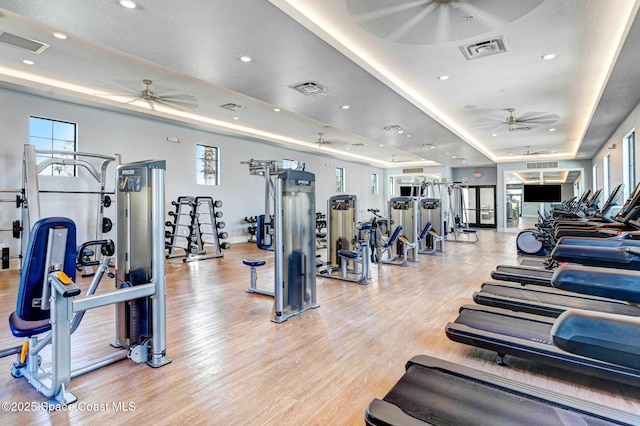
pixel 438 392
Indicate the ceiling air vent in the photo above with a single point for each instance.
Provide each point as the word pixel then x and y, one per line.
pixel 357 144
pixel 232 107
pixel 392 128
pixel 32 46
pixel 519 128
pixel 542 165
pixel 309 88
pixel 413 170
pixel 484 48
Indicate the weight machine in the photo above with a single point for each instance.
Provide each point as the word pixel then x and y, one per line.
pixel 95 165
pixel 403 214
pixel 270 170
pixel 49 301
pixel 432 224
pixel 295 278
pixel 346 254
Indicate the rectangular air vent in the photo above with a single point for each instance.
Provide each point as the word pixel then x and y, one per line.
pixel 542 165
pixel 309 88
pixel 519 128
pixel 32 46
pixel 413 170
pixel 232 107
pixel 484 48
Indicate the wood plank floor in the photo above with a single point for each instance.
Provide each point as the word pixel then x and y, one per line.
pixel 233 366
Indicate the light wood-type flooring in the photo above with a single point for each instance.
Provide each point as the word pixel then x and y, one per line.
pixel 233 366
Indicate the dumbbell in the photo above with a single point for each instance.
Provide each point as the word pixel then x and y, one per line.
pixel 220 225
pixel 225 246
pixel 223 235
pixel 217 203
pixel 218 214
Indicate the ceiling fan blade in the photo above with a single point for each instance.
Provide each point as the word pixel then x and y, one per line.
pixel 386 11
pixel 538 118
pixel 183 100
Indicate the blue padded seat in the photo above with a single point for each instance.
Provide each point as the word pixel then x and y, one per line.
pixel 425 230
pixel 253 262
pixel 348 254
pixel 29 320
pixel 321 234
pixel 470 231
pixel 395 235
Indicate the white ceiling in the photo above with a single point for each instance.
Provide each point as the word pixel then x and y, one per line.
pixel 381 57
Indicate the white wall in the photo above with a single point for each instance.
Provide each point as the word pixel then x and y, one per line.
pixel 616 170
pixel 137 139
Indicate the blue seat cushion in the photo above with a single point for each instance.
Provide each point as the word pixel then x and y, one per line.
pixel 33 270
pixel 348 254
pixel 253 262
pixel 21 328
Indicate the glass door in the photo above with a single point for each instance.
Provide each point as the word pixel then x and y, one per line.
pixel 480 206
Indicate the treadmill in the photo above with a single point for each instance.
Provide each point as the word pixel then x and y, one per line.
pixel 436 392
pixel 600 344
pixel 553 301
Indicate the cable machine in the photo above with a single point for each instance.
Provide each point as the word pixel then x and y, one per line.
pixel 295 260
pixel 270 170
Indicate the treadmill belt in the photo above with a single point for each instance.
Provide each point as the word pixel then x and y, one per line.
pixel 520 328
pixel 541 302
pixel 441 396
pixel 522 274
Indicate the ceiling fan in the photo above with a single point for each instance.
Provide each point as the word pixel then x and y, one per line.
pixel 529 153
pixel 323 142
pixel 152 95
pixel 524 122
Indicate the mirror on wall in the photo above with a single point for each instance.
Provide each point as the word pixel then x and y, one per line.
pixel 531 191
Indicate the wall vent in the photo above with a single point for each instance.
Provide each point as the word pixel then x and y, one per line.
pixel 413 170
pixel 542 165
pixel 32 46
pixel 232 107
pixel 309 88
pixel 484 48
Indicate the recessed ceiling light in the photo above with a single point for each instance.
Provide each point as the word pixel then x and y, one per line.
pixel 245 58
pixel 400 131
pixel 494 134
pixel 236 118
pixel 129 4
pixel 381 145
pixel 552 129
pixel 453 157
pixel 276 109
pixel 345 107
pixel 409 135
pixel 61 36
pixel 28 62
pixel 548 56
pixel 347 148
pixel 443 77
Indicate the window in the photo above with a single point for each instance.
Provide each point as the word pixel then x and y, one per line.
pixel 391 191
pixel 53 135
pixel 339 179
pixel 595 177
pixel 629 162
pixel 607 176
pixel 374 183
pixel 207 165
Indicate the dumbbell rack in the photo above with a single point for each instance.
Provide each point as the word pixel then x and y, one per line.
pixel 195 226
pixel 252 229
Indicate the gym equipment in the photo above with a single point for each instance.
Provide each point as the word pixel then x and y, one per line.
pixel 140 321
pixel 48 296
pixel 269 169
pixel 403 212
pixel 95 166
pixel 434 391
pixel 373 231
pixel 253 277
pixel 397 240
pixel 295 285
pixel 195 226
pixel 432 224
pixel 345 253
pixel 603 346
